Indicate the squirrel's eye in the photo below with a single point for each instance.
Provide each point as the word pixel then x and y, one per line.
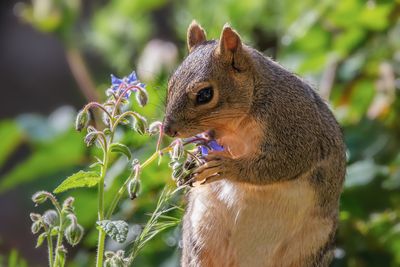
pixel 204 95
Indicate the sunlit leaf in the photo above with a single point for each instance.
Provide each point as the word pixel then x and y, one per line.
pixel 121 148
pixel 10 138
pixel 62 153
pixel 79 179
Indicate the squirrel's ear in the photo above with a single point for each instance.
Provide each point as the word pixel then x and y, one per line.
pixel 195 35
pixel 229 41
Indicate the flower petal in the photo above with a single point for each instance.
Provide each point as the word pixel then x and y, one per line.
pixel 203 150
pixel 215 146
pixel 115 81
pixel 132 77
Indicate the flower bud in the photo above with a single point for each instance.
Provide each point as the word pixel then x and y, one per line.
pixel 40 197
pixel 141 97
pixel 68 205
pixel 82 120
pixel 74 233
pixel 177 150
pixel 109 254
pixel 90 138
pixel 35 217
pixel 115 259
pixel 155 127
pixel 36 226
pixel 50 218
pixel 139 124
pixel 176 165
pixel 177 173
pixel 134 188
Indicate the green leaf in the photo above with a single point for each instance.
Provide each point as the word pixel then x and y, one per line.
pixel 121 148
pixel 40 239
pixel 60 154
pixel 95 164
pixel 117 230
pixel 79 179
pixel 10 137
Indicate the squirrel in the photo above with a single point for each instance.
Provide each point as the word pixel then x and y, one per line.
pixel 271 198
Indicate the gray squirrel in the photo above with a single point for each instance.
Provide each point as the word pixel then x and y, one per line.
pixel 271 198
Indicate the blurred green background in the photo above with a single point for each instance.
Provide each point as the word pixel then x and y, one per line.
pixel 55 55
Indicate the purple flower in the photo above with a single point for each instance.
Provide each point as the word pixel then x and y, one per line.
pixel 122 83
pixel 215 146
pixel 204 143
pixel 203 150
pixel 210 145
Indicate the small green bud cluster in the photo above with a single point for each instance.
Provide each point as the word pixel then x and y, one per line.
pixel 182 163
pixel 53 223
pixel 116 259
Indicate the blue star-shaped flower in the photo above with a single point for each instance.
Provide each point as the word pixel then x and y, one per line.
pixel 211 145
pixel 131 79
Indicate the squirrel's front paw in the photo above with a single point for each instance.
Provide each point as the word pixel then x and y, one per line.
pixel 218 166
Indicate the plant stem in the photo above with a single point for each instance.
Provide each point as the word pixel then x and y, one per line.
pixel 122 189
pixel 102 234
pixel 59 239
pixel 50 249
pixel 60 232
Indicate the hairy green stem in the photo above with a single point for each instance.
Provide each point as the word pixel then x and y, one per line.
pixel 59 239
pixel 50 248
pixel 59 235
pixel 122 189
pixel 102 234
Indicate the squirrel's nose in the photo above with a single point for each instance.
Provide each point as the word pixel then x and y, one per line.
pixel 169 128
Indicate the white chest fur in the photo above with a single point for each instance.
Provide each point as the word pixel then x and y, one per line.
pixel 246 225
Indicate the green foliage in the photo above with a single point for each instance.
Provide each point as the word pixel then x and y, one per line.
pixel 79 179
pixel 10 137
pixel 355 43
pixel 65 152
pixel 13 260
pixel 117 230
pixel 121 148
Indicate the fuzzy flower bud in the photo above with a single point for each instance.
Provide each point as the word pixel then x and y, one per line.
pixel 50 218
pixel 134 188
pixel 141 97
pixel 74 232
pixel 35 217
pixel 40 197
pixel 36 226
pixel 155 127
pixel 139 124
pixel 115 259
pixel 177 150
pixel 82 120
pixel 90 138
pixel 68 205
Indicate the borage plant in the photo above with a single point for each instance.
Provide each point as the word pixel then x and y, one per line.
pixel 62 223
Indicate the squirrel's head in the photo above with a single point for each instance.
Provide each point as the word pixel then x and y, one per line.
pixel 212 88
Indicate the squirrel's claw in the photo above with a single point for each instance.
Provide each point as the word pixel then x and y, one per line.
pixel 218 166
pixel 206 173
